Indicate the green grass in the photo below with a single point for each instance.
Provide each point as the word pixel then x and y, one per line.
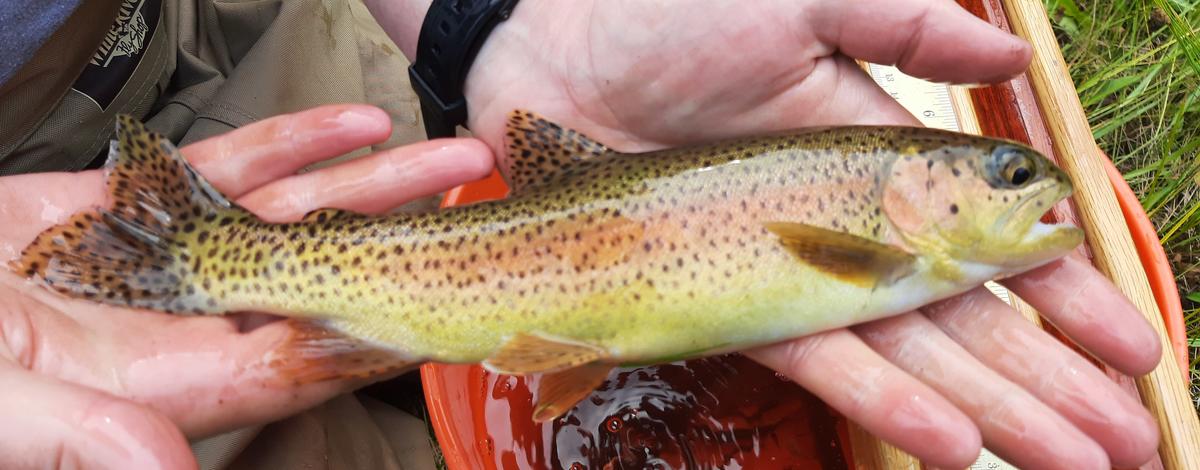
pixel 1136 65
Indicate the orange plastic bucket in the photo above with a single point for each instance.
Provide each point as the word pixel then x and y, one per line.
pixel 1154 260
pixel 479 425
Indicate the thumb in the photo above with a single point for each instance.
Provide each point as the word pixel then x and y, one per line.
pixel 931 39
pixel 54 424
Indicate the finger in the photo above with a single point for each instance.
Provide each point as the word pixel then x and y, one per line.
pixel 1084 305
pixel 375 183
pixel 837 367
pixel 855 98
pixel 51 424
pixel 1015 425
pixel 231 381
pixel 246 158
pixel 930 39
pixel 1008 344
pixel 204 374
pixel 235 163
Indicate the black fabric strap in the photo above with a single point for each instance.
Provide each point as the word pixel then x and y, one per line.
pixel 451 35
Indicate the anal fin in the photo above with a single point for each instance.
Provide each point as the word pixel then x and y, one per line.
pixel 846 256
pixel 316 352
pixel 558 392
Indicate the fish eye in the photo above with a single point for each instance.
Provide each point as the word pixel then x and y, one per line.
pixel 1018 172
pixel 1015 168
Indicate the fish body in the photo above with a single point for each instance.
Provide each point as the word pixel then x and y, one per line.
pixel 598 258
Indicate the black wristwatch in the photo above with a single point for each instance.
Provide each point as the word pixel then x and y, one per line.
pixel 451 35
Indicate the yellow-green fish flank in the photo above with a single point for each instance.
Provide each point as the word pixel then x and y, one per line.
pixel 598 257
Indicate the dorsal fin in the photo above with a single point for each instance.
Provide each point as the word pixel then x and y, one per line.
pixel 321 216
pixel 540 151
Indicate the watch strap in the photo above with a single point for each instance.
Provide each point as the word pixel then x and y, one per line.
pixel 451 35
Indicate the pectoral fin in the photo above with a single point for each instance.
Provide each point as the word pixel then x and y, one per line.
pixel 848 257
pixel 529 354
pixel 558 392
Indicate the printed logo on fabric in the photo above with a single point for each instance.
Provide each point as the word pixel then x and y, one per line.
pixel 120 52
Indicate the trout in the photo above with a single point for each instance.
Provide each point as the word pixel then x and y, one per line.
pixel 596 259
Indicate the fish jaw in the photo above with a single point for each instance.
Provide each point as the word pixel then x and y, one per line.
pixel 1037 242
pixel 1050 241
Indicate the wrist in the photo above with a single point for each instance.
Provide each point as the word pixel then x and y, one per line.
pixel 402 20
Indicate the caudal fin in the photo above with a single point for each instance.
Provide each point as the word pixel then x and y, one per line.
pixel 136 253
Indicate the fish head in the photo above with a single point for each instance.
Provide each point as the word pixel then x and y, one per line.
pixel 979 200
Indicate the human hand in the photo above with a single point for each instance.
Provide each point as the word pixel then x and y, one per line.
pixel 93 386
pixel 645 75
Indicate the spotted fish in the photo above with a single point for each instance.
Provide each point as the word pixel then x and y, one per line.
pixel 597 259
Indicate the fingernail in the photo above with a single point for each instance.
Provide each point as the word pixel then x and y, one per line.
pixel 919 417
pixel 119 432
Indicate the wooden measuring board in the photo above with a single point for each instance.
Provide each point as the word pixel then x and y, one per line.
pixel 929 102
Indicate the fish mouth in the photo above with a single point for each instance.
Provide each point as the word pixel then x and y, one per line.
pixel 1026 215
pixel 1041 230
pixel 1040 241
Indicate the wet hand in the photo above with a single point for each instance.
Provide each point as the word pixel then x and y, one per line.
pixel 94 386
pixel 937 383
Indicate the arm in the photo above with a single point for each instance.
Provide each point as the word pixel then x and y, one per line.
pixel 402 20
